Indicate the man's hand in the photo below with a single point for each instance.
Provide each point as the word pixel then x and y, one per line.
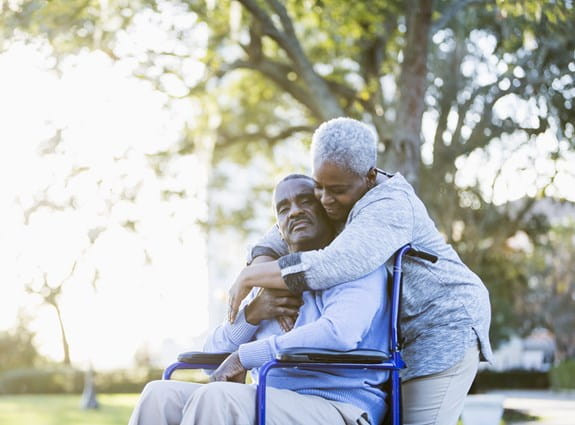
pixel 287 322
pixel 278 304
pixel 230 370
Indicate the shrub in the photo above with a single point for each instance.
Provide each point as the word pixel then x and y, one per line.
pixel 563 375
pixel 125 381
pixel 41 381
pixel 67 380
pixel 510 379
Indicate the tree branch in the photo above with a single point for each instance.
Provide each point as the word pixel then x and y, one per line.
pixel 454 8
pixel 277 72
pixel 325 103
pixel 267 25
pixel 227 140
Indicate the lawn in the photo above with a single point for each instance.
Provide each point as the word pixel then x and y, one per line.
pixel 114 409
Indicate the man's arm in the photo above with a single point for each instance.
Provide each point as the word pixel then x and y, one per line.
pixel 347 315
pixel 228 336
pixel 261 304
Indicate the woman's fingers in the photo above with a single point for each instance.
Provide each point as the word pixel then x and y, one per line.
pixel 236 295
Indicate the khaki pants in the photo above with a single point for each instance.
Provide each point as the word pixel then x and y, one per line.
pixel 438 399
pixel 219 403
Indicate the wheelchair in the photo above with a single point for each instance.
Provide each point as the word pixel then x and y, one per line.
pixel 302 357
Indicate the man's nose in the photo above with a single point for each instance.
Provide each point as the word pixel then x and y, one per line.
pixel 295 210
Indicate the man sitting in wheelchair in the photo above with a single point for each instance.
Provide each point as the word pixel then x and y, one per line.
pixel 349 316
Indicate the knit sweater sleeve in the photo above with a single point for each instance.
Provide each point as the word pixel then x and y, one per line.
pixel 271 245
pixel 371 236
pixel 228 336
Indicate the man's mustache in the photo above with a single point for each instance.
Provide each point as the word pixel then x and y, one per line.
pixel 297 221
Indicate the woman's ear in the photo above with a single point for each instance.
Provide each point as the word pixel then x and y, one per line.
pixel 371 177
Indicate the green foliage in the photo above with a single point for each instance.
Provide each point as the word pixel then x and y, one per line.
pixel 489 380
pixel 563 375
pixel 41 381
pixel 125 381
pixel 551 300
pixel 17 348
pixel 56 380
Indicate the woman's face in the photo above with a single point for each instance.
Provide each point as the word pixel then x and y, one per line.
pixel 338 189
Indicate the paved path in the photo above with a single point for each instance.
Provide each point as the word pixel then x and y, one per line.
pixel 552 408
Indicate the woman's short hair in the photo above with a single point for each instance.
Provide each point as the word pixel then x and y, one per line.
pixel 345 142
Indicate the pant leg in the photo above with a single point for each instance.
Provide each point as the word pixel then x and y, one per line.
pixel 227 403
pixel 438 399
pixel 162 403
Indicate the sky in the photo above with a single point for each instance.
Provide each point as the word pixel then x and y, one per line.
pixel 130 254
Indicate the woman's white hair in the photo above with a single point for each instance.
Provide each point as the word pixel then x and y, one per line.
pixel 345 142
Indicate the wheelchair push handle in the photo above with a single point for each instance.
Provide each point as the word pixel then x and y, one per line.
pixel 419 253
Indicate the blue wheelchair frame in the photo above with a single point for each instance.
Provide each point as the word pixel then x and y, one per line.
pixel 328 359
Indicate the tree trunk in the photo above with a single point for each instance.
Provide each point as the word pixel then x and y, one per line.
pixel 404 152
pixel 65 345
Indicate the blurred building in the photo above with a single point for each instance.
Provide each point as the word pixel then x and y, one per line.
pixel 535 352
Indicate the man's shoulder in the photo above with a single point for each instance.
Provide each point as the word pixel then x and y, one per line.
pixel 372 280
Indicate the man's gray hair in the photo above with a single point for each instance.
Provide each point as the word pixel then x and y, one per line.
pixel 345 142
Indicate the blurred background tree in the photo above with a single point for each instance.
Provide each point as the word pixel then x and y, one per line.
pixel 472 101
pixel 17 348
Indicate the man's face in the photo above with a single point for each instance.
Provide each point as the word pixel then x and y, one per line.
pixel 300 216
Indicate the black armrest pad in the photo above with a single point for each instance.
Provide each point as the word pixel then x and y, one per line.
pixel 202 357
pixel 307 355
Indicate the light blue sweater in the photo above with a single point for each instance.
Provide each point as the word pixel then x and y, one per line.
pixel 346 317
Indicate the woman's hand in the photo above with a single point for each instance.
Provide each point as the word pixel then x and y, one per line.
pixel 230 370
pixel 264 275
pixel 236 294
pixel 277 304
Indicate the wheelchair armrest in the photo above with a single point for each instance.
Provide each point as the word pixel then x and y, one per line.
pixel 307 355
pixel 195 357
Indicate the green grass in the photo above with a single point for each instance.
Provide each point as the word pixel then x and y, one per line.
pixel 57 409
pixel 115 409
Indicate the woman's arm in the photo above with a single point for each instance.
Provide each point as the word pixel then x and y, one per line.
pixel 265 274
pixel 271 245
pixel 372 236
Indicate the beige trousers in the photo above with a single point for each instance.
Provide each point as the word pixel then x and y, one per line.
pixel 438 399
pixel 226 403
